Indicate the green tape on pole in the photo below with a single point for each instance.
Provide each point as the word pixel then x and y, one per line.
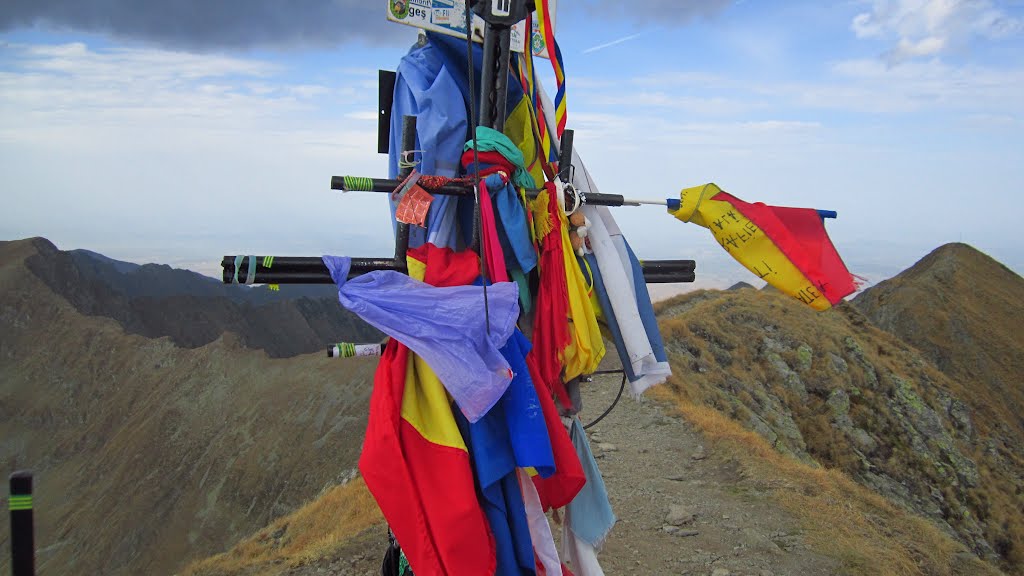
pixel 20 502
pixel 357 184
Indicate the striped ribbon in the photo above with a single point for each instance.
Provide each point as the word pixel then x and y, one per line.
pixel 547 31
pixel 528 79
pixel 20 502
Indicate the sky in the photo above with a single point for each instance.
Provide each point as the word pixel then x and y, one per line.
pixel 181 131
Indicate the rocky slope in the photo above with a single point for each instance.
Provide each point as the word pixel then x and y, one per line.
pixel 834 390
pixel 965 313
pixel 147 454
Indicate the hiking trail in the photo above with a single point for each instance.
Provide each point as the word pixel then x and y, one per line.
pixel 681 507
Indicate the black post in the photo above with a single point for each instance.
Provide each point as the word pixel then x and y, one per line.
pixel 408 144
pixel 494 82
pixel 565 157
pixel 23 547
pixel 385 99
pixel 488 94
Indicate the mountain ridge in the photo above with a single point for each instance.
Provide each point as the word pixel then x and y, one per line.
pixel 156 300
pixel 836 389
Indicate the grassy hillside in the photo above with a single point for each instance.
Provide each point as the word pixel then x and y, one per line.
pixel 321 529
pixel 832 389
pixel 148 455
pixel 866 533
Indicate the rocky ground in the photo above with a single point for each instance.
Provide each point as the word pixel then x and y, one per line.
pixel 682 508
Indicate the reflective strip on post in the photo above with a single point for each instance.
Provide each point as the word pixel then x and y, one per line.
pixel 20 502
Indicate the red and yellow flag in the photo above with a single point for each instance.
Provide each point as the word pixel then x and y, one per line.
pixel 415 461
pixel 786 247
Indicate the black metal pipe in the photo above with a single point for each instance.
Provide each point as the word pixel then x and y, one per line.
pixel 389 185
pixel 658 266
pixel 311 270
pixel 669 277
pixel 501 71
pixel 23 547
pixel 300 269
pixel 384 185
pixel 385 100
pixel 487 77
pixel 408 145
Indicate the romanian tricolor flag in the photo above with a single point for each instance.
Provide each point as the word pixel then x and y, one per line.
pixel 786 247
pixel 547 32
pixel 416 463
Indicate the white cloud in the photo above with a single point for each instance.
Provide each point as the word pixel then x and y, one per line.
pixel 871 87
pixel 923 28
pixel 859 86
pixel 125 149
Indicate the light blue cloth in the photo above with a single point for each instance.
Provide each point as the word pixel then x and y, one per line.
pixel 607 313
pixel 425 88
pixel 433 85
pixel 444 326
pixel 643 304
pixel 590 512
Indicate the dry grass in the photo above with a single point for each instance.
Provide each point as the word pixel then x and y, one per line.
pixel 842 519
pixel 312 532
pixel 716 345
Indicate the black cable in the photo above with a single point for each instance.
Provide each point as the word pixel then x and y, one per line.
pixel 478 228
pixel 622 387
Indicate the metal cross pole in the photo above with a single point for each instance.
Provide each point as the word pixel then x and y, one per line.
pixel 459 188
pixel 23 548
pixel 462 188
pixel 311 269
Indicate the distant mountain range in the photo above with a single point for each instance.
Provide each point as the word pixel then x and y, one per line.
pixel 155 300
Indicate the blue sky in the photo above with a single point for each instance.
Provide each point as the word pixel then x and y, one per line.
pixel 178 132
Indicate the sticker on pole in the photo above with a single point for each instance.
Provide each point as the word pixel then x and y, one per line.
pixel 449 17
